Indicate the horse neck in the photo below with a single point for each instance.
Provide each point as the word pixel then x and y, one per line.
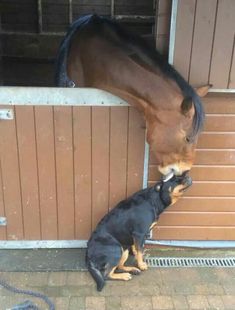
pixel 142 88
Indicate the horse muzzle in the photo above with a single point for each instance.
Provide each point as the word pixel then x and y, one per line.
pixel 177 169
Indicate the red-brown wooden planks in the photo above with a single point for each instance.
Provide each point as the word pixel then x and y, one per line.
pixel 11 180
pixel 215 157
pixel 202 41
pixel 3 230
pixel 207 209
pixel 223 44
pixel 118 154
pixel 194 233
pixel 220 123
pixel 136 138
pixel 100 163
pixel 64 171
pixel 184 36
pixel 205 204
pixel 231 82
pixel 68 167
pixel 207 219
pixel 216 140
pixel 162 25
pixel 82 171
pixel 46 172
pixel 28 171
pixel 202 173
pixel 219 104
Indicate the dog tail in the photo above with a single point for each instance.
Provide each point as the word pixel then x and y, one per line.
pixel 96 275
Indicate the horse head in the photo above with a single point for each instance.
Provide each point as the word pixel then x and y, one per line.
pixel 172 133
pixel 98 52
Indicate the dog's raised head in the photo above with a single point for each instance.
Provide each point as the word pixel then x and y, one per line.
pixel 173 187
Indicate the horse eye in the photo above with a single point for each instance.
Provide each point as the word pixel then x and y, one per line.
pixel 188 140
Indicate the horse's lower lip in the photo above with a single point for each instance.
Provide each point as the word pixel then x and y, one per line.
pixel 179 169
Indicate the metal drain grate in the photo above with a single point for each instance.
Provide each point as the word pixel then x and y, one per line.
pixel 163 262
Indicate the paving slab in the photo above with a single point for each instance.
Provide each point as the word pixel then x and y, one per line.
pixel 72 288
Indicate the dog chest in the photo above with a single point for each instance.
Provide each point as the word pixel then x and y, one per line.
pixel 153 225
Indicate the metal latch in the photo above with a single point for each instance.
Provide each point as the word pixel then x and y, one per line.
pixel 6 114
pixel 3 221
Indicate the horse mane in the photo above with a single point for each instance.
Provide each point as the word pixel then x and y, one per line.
pixel 143 50
pixel 61 77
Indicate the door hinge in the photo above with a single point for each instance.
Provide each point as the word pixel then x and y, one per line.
pixel 3 221
pixel 6 114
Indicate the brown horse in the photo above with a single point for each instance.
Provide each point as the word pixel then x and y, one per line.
pixel 98 52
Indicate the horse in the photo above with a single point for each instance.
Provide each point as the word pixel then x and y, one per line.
pixel 99 52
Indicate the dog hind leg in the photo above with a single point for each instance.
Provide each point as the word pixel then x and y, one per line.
pixel 131 269
pixel 119 276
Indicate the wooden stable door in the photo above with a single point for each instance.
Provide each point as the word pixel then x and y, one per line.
pixel 203 53
pixel 63 168
pixel 207 209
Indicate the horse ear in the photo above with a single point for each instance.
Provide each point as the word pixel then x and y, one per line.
pixel 186 105
pixel 203 90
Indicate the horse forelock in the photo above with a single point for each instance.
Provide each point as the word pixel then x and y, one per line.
pixel 199 117
pixel 199 114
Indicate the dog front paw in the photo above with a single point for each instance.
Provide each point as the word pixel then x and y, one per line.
pixel 126 276
pixel 135 271
pixel 143 266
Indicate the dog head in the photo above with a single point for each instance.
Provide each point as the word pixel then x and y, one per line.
pixel 172 189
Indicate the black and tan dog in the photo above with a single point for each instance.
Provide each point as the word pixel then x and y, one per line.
pixel 126 227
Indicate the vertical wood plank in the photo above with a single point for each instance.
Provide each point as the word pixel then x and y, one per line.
pixel 82 171
pixel 64 171
pixel 11 180
pixel 100 163
pixel 118 154
pixel 202 42
pixel 162 25
pixel 223 44
pixel 135 164
pixel 3 229
pixel 184 36
pixel 46 171
pixel 232 69
pixel 28 171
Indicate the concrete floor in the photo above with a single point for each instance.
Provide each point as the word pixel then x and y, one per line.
pixel 164 288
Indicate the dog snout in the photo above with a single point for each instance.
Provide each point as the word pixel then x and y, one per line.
pixel 188 181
